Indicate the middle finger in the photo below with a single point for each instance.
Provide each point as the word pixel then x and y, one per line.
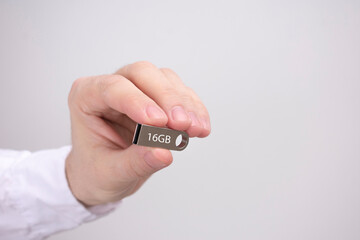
pixel 171 96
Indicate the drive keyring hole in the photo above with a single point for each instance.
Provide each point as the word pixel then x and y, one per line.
pixel 181 141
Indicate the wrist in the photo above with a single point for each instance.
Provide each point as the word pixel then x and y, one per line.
pixel 73 181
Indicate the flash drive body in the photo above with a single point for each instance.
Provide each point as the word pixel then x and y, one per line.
pixel 151 136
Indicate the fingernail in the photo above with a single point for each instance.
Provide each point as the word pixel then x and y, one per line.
pixel 155 112
pixel 178 113
pixel 194 120
pixel 206 124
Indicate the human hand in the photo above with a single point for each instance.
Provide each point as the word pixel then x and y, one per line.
pixel 103 165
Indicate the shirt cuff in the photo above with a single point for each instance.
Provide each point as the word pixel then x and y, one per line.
pixel 38 189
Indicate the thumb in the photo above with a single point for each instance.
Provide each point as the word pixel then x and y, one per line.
pixel 137 162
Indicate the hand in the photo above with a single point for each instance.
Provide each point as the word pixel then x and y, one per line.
pixel 103 165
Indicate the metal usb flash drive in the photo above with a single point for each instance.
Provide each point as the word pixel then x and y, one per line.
pixel 151 136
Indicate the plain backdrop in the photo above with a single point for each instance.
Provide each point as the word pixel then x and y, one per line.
pixel 281 80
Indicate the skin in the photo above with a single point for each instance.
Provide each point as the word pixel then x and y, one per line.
pixel 103 165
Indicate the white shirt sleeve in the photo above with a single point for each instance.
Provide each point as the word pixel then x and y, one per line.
pixel 35 199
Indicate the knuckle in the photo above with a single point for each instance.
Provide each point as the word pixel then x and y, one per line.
pixel 106 84
pixel 179 95
pixel 170 91
pixel 75 89
pixel 186 98
pixel 188 94
pixel 140 65
pixel 171 75
pixel 168 71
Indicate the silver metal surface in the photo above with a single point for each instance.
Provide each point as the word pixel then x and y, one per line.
pixel 151 136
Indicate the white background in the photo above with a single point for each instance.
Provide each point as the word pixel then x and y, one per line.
pixel 281 80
